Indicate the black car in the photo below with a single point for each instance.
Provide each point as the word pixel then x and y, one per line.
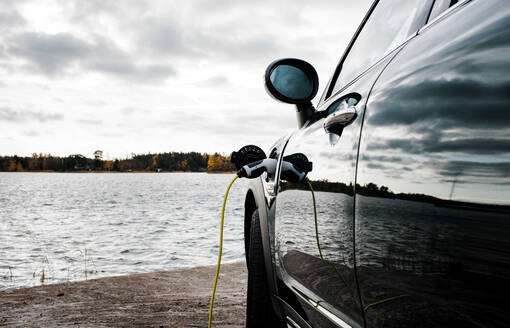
pixel 403 219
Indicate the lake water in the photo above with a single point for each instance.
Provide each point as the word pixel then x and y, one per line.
pixel 59 227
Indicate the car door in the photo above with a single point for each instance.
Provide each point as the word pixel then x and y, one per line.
pixel 433 183
pixel 315 256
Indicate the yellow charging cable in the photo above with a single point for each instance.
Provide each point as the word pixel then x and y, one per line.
pixel 219 252
pixel 318 246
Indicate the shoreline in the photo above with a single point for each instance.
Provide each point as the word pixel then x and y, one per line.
pixel 176 298
pixel 85 171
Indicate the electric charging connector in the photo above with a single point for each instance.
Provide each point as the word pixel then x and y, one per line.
pixel 251 162
pixel 255 169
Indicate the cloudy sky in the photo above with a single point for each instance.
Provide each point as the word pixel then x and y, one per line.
pixel 139 76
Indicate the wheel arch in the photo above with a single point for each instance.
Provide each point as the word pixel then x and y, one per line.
pixel 250 205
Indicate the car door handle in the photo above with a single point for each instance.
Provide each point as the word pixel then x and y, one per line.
pixel 337 121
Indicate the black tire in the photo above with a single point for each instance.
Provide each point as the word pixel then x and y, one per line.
pixel 259 310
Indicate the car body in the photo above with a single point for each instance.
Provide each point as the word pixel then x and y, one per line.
pixel 412 195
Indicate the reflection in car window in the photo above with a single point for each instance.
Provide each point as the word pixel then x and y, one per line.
pixel 391 22
pixel 440 6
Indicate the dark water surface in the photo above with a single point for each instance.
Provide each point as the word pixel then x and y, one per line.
pixel 75 226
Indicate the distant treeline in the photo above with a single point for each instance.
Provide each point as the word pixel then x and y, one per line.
pixel 162 162
pixel 370 189
pixel 373 190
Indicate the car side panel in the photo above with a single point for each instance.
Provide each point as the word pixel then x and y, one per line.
pixel 433 180
pixel 316 259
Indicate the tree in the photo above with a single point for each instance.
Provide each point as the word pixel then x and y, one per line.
pixel 33 162
pixel 205 159
pixel 153 163
pixel 12 166
pixel 184 165
pixel 218 163
pixel 169 161
pixel 98 155
pixel 77 162
pixel 98 158
pixel 211 163
pixel 116 165
pixel 108 165
pixel 371 186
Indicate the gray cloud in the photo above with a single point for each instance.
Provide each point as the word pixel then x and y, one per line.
pixel 125 68
pixel 167 36
pixel 10 115
pixel 215 81
pixel 127 110
pixel 376 166
pixel 161 36
pixel 54 54
pixel 417 104
pixel 96 103
pixel 435 144
pixel 11 19
pixel 234 125
pixel 89 121
pixel 31 133
pixel 242 48
pixel 456 124
pixel 81 11
pixel 485 146
pixel 409 146
pixel 472 171
pixel 50 53
pixel 381 158
pixel 83 48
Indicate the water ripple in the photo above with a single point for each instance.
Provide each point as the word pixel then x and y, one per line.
pixel 77 226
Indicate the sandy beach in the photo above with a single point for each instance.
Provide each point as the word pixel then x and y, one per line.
pixel 177 298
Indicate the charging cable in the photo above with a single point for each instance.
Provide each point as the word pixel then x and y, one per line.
pixel 219 251
pixel 251 163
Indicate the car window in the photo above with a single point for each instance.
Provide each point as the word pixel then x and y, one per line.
pixel 440 6
pixel 390 24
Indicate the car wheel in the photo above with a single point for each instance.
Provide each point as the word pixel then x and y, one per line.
pixel 259 311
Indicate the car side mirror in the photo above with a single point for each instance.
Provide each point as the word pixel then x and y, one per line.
pixel 293 81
